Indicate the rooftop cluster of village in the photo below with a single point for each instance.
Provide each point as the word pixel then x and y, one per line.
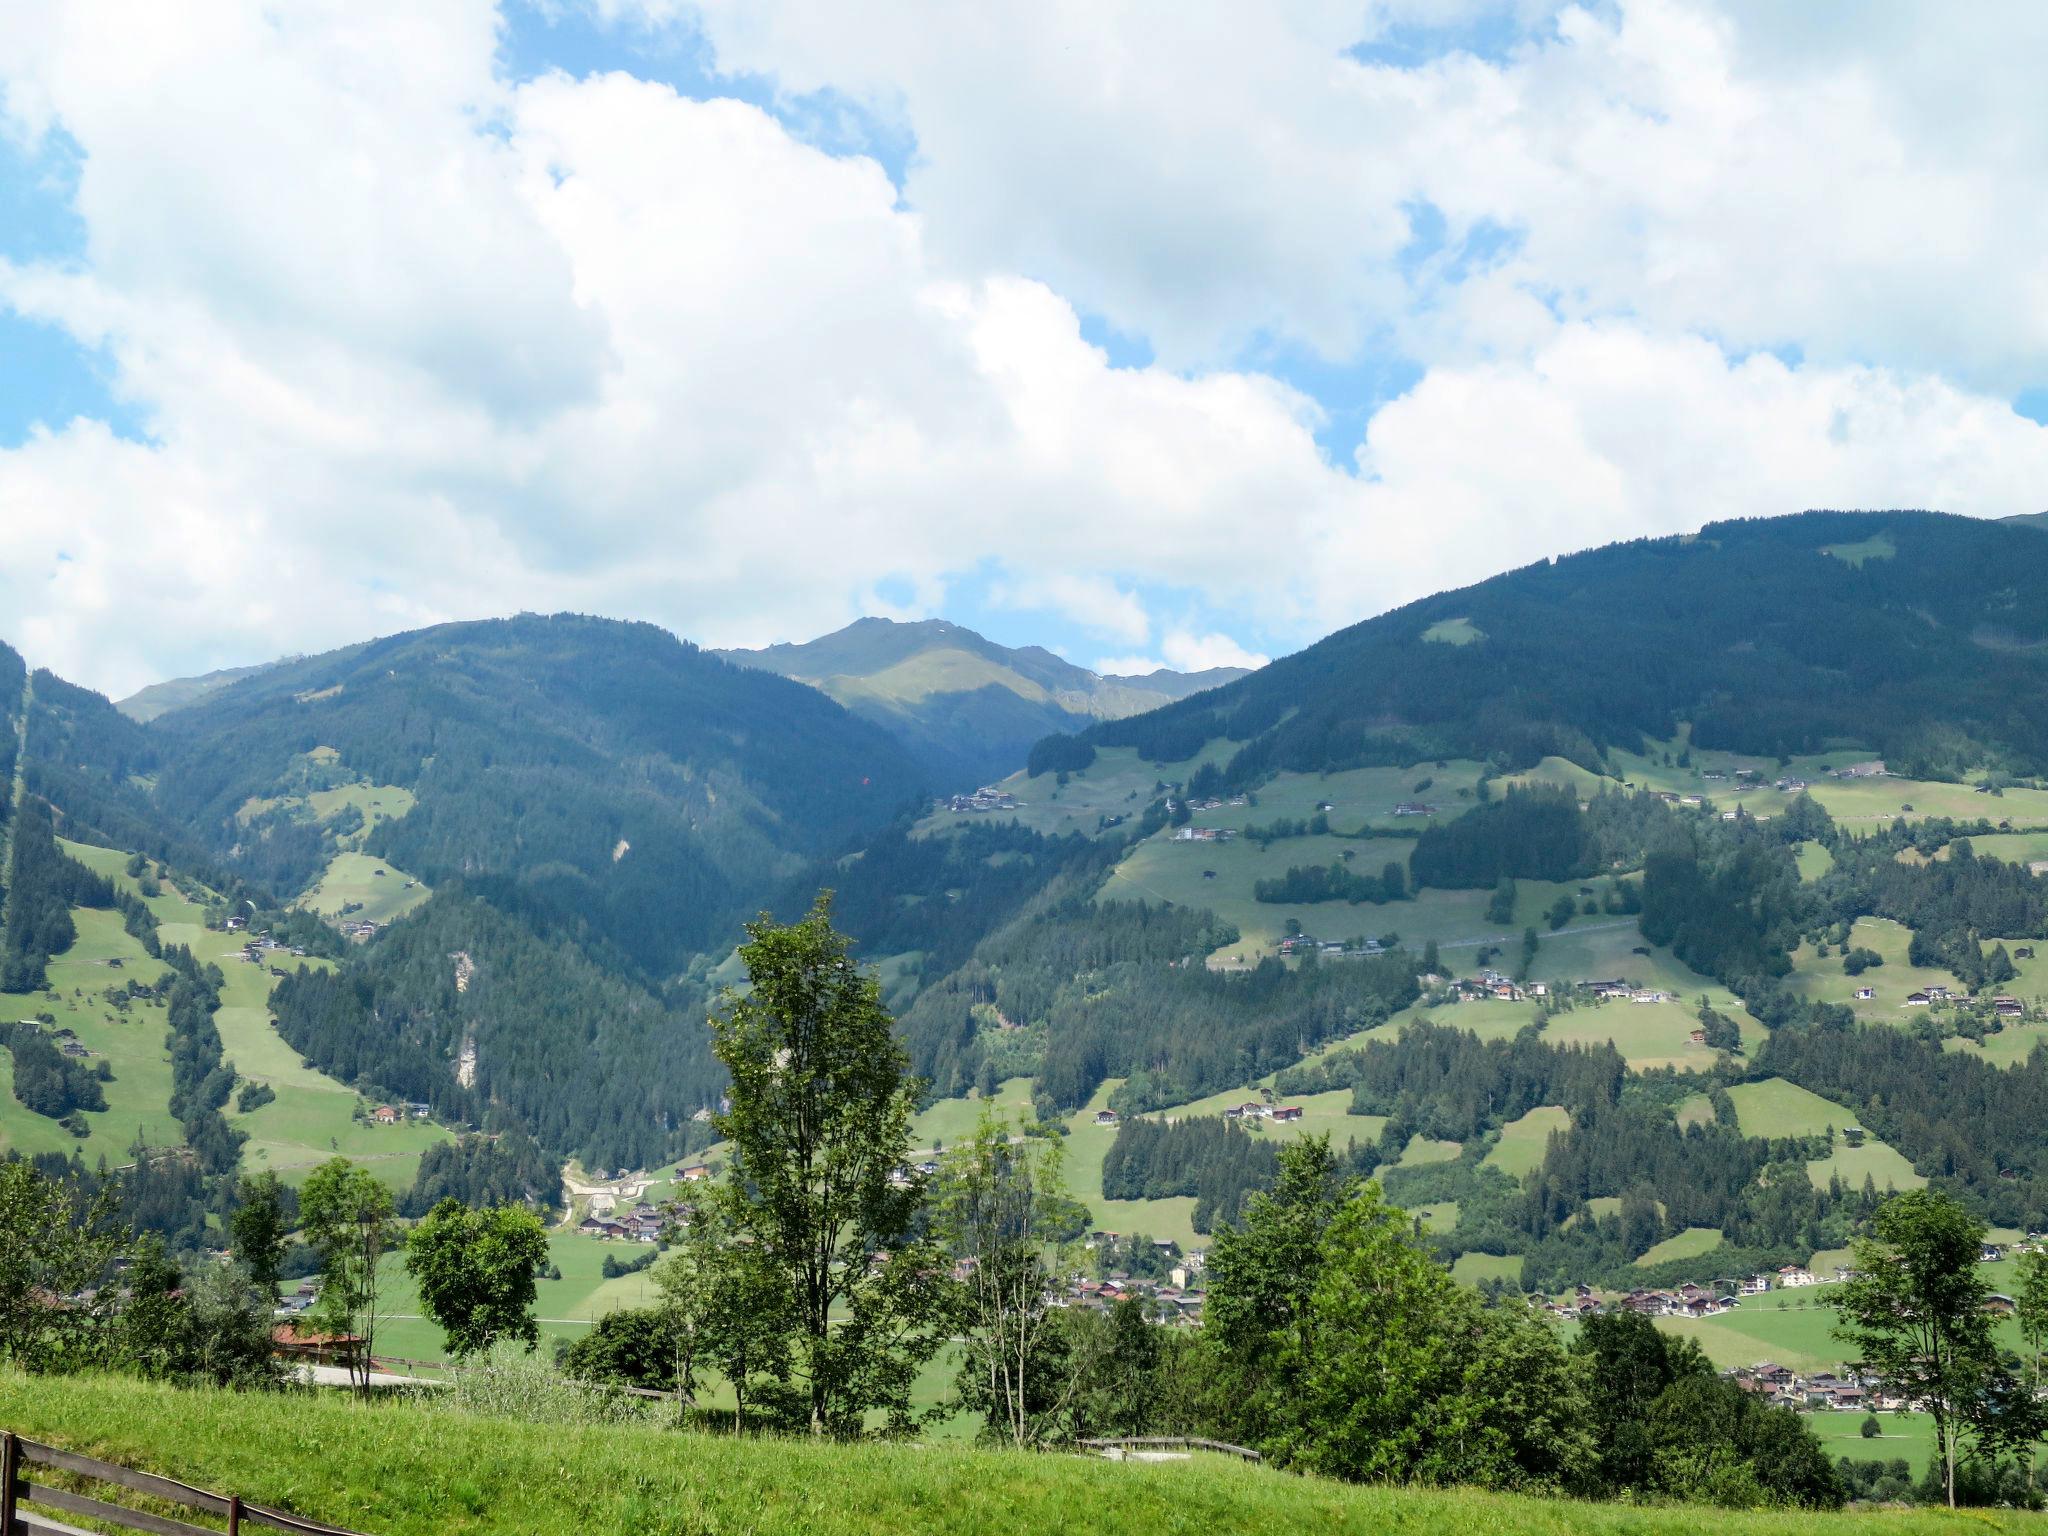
pixel 989 797
pixel 1251 1109
pixel 1307 944
pixel 1823 1390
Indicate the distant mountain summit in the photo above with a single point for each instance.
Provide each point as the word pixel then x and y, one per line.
pixel 965 706
pixel 158 699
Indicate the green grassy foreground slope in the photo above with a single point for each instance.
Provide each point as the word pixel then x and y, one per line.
pixel 397 1469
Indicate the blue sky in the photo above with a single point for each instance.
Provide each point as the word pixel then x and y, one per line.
pixel 1182 342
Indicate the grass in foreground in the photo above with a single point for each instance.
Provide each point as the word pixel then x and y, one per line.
pixel 395 1469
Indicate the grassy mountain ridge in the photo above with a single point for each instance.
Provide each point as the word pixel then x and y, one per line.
pixel 1919 633
pixel 146 704
pixel 966 705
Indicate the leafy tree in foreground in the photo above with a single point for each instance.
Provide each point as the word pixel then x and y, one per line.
pixel 631 1347
pixel 155 1327
pixel 346 1216
pixel 726 1304
pixel 2030 1297
pixel 475 1271
pixel 1003 1210
pixel 46 1249
pixel 228 1328
pixel 260 1226
pixel 818 1125
pixel 1915 1314
pixel 1262 1276
pixel 1413 1379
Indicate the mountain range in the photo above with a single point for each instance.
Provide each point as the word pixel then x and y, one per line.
pixel 604 803
pixel 966 708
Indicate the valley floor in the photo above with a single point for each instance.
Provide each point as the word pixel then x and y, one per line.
pixel 394 1469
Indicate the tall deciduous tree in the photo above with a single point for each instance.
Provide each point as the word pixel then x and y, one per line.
pixel 1262 1277
pixel 725 1303
pixel 346 1216
pixel 1914 1311
pixel 1003 1210
pixel 2030 1298
pixel 818 1124
pixel 475 1271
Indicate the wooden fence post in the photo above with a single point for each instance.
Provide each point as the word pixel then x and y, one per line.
pixel 234 1514
pixel 10 1473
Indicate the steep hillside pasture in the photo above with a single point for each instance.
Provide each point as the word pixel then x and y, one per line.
pixel 360 887
pixel 1692 1243
pixel 1823 979
pixel 1775 1107
pixel 1815 860
pixel 313 1116
pixel 949 1121
pixel 1478 1268
pixel 1522 1142
pixel 1086 1145
pixel 2014 847
pixel 1117 783
pixel 131 1042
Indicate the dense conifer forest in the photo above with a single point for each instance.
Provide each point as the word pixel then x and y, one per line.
pixel 1747 630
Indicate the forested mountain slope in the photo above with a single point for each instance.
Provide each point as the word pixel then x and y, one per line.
pixel 625 782
pixel 968 708
pixel 581 810
pixel 1917 633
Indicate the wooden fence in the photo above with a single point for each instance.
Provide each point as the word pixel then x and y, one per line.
pixel 1175 1443
pixel 17 1456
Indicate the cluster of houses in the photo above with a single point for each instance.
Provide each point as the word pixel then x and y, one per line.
pixel 66 1040
pixel 1671 797
pixel 644 1223
pixel 1176 1300
pixel 1490 984
pixel 905 1174
pixel 1204 834
pixel 987 798
pixel 392 1114
pixel 1252 1109
pixel 264 944
pixel 1626 992
pixel 1493 985
pixel 359 931
pixel 1414 808
pixel 1692 1300
pixel 1213 804
pixel 2002 1005
pixel 1308 944
pixel 1822 1391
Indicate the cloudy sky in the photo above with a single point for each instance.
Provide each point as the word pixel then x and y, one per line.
pixel 1155 332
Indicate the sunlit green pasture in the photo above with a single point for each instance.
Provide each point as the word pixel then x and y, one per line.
pixel 1776 1108
pixel 358 886
pixel 1523 1142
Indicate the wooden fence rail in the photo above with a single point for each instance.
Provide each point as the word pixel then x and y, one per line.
pixel 16 1489
pixel 1173 1442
